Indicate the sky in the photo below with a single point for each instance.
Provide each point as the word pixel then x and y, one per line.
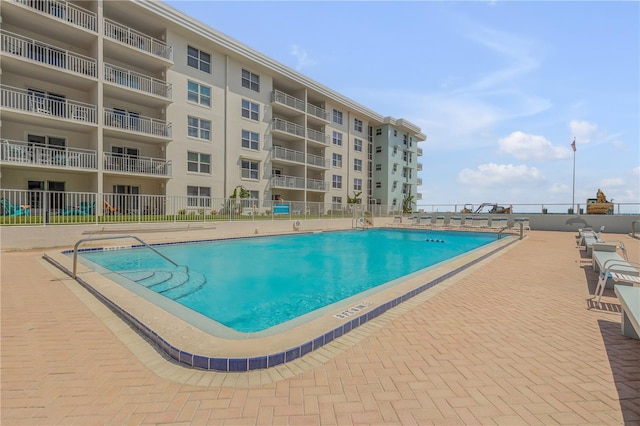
pixel 500 88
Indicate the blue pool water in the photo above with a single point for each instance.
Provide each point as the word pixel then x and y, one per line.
pixel 252 284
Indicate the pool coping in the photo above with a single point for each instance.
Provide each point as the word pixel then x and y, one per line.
pixel 192 347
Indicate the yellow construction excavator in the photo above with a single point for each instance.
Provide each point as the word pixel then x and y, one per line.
pixel 599 205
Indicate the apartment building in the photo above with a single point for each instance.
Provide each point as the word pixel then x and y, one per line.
pixel 137 98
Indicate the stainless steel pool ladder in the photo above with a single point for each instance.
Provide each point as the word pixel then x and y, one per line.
pixel 117 237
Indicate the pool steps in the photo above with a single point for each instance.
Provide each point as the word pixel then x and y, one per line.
pixel 172 284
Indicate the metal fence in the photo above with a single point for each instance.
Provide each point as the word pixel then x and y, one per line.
pixel 19 207
pixel 41 207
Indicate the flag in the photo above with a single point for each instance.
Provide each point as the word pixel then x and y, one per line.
pixel 573 145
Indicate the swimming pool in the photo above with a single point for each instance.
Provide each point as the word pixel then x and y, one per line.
pixel 194 340
pixel 252 284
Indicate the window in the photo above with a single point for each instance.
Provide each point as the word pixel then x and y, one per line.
pixel 198 196
pixel 250 140
pixel 337 182
pixel 250 169
pixel 395 185
pixel 198 162
pixel 337 160
pixel 357 164
pixel 198 60
pixel 198 93
pixel 254 195
pixel 357 125
pixel 378 185
pixel 357 145
pixel 250 80
pixel 337 203
pixel 378 167
pixel 395 132
pixel 378 132
pixel 199 128
pixel 357 184
pixel 250 110
pixel 337 138
pixel 378 149
pixel 337 116
pixel 395 168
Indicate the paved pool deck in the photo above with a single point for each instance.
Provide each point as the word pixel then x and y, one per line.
pixel 512 340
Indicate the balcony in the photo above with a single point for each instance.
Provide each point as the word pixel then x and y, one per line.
pixel 64 11
pixel 419 181
pixel 136 81
pixel 419 152
pixel 32 50
pixel 418 196
pixel 317 112
pixel 47 106
pixel 318 161
pixel 278 97
pixel 135 123
pixel 25 153
pixel 419 167
pixel 317 185
pixel 280 153
pixel 138 165
pixel 137 40
pixel 290 182
pixel 316 136
pixel 288 127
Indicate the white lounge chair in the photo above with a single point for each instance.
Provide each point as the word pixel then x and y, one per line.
pixel 617 272
pixel 439 221
pixel 521 220
pixel 498 223
pixel 455 222
pixel 425 220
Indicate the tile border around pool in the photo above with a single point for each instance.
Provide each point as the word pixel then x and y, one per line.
pixel 242 364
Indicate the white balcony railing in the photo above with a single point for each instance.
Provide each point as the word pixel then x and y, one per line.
pixel 33 50
pixel 419 152
pixel 288 154
pixel 318 136
pixel 47 105
pixel 136 123
pixel 317 185
pixel 19 152
pixel 137 40
pixel 288 127
pixel 316 160
pixel 135 164
pixel 134 80
pixel 64 11
pixel 291 182
pixel 284 99
pixel 317 112
pixel 419 167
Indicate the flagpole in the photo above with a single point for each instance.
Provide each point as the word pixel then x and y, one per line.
pixel 573 193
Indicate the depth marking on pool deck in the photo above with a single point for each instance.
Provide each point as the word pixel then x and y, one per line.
pixel 352 311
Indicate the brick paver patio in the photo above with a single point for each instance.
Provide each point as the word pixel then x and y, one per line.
pixel 514 340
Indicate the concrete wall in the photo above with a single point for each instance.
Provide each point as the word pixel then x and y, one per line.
pixel 36 237
pixel 613 224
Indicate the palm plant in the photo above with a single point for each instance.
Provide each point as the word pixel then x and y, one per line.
pixel 408 204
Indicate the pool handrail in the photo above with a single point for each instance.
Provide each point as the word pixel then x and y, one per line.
pixel 116 237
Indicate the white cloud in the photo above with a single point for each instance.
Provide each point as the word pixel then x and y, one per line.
pixel 302 57
pixel 583 131
pixel 559 188
pixel 611 182
pixel 532 147
pixel 499 174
